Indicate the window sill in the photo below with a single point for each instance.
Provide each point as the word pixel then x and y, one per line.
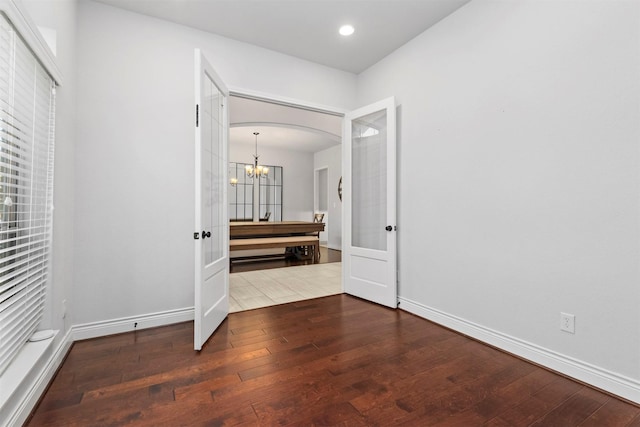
pixel 17 381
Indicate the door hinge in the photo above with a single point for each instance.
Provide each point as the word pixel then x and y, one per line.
pixel 196 235
pixel 197 115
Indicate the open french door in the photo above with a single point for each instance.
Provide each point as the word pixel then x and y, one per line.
pixel 211 222
pixel 369 194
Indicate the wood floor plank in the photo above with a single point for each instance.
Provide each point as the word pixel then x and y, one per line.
pixel 614 412
pixel 204 387
pixel 504 395
pixel 635 422
pixel 575 410
pixel 527 412
pixel 331 361
pixel 178 376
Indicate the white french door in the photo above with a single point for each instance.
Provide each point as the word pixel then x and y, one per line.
pixel 369 186
pixel 211 233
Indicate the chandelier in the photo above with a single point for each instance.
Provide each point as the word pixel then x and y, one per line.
pixel 256 170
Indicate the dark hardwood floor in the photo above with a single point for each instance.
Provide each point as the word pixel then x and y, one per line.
pixel 326 256
pixel 336 360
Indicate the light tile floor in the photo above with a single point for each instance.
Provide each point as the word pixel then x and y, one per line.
pixel 262 288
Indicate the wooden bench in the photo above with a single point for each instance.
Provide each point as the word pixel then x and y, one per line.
pixel 312 242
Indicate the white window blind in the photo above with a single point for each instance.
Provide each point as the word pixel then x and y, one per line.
pixel 27 101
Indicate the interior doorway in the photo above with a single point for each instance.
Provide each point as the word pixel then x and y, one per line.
pixel 296 139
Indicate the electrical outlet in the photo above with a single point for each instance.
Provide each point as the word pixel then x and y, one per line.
pixel 64 308
pixel 568 323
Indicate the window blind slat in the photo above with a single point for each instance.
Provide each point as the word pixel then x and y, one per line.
pixel 7 298
pixel 17 276
pixel 20 333
pixel 22 301
pixel 23 246
pixel 38 269
pixel 24 324
pixel 14 311
pixel 16 279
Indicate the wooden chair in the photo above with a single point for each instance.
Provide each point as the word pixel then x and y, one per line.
pixel 266 217
pixel 318 217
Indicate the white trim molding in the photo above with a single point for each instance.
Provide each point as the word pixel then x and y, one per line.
pixel 285 101
pixel 611 382
pixel 131 323
pixel 34 39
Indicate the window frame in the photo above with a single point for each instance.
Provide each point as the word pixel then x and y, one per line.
pixel 30 38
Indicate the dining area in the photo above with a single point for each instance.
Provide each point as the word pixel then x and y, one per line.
pixel 298 239
pixel 268 225
pixel 284 222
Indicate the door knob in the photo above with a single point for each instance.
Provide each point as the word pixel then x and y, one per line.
pixel 388 228
pixel 206 234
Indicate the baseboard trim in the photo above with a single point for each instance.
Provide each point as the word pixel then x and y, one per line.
pixel 38 386
pixel 611 382
pixel 131 323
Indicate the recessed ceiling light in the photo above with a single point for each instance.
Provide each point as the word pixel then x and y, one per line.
pixel 347 30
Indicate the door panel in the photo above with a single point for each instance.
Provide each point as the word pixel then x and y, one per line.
pixel 211 234
pixel 369 258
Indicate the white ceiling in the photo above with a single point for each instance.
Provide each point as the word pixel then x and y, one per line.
pixel 307 29
pixel 282 127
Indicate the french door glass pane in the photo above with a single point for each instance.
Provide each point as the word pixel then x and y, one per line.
pixel 215 172
pixel 369 181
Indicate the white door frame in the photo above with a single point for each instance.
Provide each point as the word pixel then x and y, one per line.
pixel 297 103
pixel 290 102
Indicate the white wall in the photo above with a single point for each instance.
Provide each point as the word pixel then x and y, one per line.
pixel 297 188
pixel 134 191
pixel 521 121
pixel 331 158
